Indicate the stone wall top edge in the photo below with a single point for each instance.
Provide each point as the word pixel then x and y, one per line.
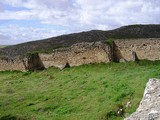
pixel 136 39
pixel 76 46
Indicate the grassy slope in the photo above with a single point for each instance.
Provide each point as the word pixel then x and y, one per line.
pixel 2 46
pixel 86 92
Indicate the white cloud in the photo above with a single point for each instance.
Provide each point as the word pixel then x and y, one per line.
pixel 82 15
pixel 85 12
pixel 18 15
pixel 12 34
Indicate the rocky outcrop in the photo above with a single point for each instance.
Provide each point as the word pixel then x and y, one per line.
pixel 149 108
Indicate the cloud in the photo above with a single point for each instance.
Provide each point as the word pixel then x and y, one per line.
pixel 12 34
pixel 82 15
pixel 1 7
pixel 85 12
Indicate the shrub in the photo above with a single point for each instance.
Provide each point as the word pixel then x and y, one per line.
pixel 32 54
pixel 109 41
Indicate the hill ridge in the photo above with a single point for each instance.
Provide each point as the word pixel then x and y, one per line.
pixel 124 32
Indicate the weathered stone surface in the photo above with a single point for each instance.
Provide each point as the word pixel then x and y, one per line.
pixel 132 49
pixel 122 60
pixel 77 54
pixel 149 108
pixel 13 64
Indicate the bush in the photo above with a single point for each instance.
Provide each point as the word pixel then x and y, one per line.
pixel 109 41
pixel 32 54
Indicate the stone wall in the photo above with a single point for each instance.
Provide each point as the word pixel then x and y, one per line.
pixel 34 62
pixel 21 64
pixel 77 54
pixel 86 53
pixel 137 49
pixel 13 64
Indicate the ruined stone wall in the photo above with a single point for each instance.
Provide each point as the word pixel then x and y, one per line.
pixel 13 64
pixel 34 62
pixel 21 64
pixel 77 54
pixel 86 53
pixel 141 48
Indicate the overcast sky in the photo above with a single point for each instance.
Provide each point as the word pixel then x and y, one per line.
pixel 26 20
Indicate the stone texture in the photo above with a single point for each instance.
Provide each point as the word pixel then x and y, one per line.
pixel 122 60
pixel 77 54
pixel 149 108
pixel 13 64
pixel 132 49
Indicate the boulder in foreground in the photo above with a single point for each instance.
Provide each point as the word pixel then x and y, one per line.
pixel 149 108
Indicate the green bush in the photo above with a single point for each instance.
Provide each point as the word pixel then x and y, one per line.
pixel 109 41
pixel 32 54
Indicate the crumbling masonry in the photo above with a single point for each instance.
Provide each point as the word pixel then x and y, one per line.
pixel 86 53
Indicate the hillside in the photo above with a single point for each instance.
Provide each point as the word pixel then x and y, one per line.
pixel 131 31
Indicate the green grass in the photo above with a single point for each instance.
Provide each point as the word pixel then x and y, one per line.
pixel 87 92
pixel 2 46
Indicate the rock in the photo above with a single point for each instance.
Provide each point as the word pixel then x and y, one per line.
pixel 122 60
pixel 149 108
pixel 120 112
pixel 128 104
pixel 133 56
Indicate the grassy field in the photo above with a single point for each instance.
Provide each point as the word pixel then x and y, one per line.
pixel 87 92
pixel 2 46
